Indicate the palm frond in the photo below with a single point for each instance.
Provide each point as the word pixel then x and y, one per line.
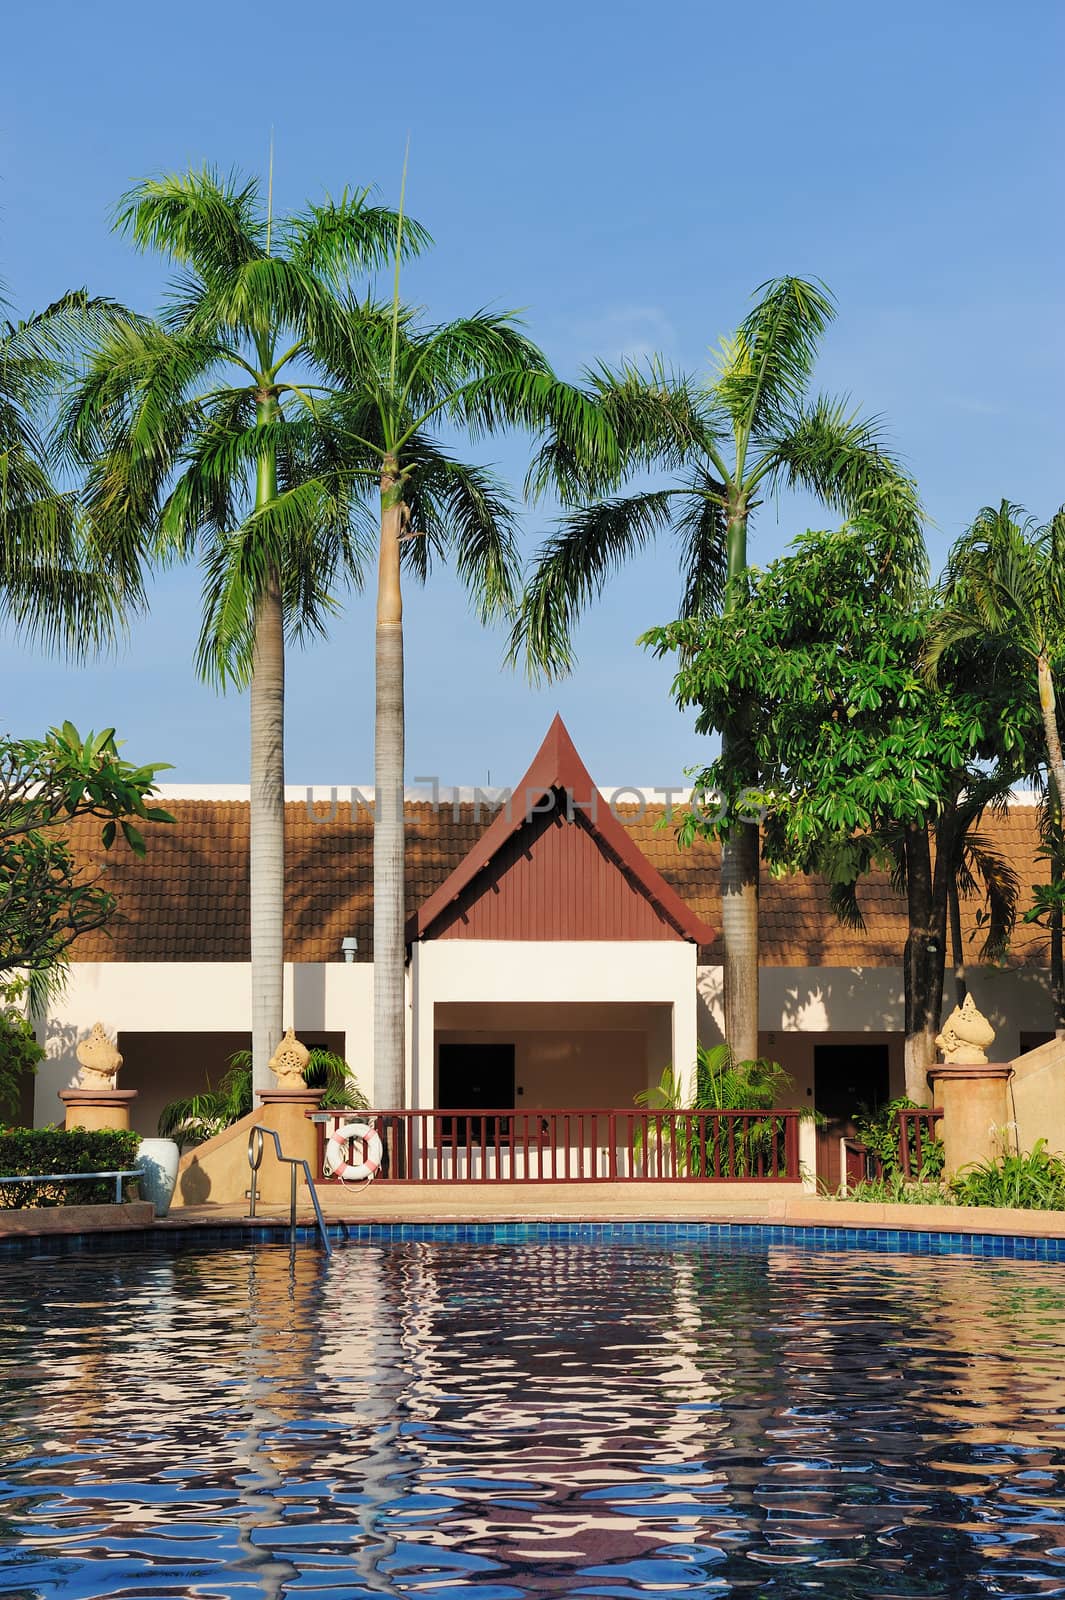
pixel 765 368
pixel 572 568
pixel 843 459
pixel 348 236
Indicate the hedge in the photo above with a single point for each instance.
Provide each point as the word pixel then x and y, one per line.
pixel 37 1150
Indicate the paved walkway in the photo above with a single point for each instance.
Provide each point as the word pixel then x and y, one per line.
pixel 575 1202
pixel 626 1202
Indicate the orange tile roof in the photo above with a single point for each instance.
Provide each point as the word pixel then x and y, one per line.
pixel 188 901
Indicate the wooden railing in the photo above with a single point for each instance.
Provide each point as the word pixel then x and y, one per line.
pixel 581 1146
pixel 917 1128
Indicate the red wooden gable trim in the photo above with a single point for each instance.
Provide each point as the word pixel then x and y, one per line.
pixel 557 767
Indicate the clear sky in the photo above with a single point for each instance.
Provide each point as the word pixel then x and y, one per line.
pixel 625 173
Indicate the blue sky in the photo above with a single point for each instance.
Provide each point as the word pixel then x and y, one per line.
pixel 626 174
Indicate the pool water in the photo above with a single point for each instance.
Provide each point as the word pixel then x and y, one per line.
pixel 497 1420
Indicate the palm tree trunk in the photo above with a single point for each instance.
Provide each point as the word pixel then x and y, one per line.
pixel 961 988
pixel 739 928
pixel 389 941
pixel 923 957
pixel 267 823
pixel 267 835
pixel 1057 943
pixel 740 857
pixel 1048 706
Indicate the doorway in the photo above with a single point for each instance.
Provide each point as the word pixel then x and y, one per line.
pixel 847 1078
pixel 475 1077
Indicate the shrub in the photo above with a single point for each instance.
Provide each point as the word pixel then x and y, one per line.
pixel 202 1115
pixel 879 1131
pixel 895 1190
pixel 36 1150
pixel 1032 1182
pixel 19 1050
pixel 732 1147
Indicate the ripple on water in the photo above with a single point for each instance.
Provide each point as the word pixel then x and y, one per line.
pixel 498 1421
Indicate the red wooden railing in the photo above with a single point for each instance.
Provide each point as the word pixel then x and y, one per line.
pixel 917 1127
pixel 583 1145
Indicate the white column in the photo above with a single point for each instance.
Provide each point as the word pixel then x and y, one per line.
pixel 423 1028
pixel 686 1025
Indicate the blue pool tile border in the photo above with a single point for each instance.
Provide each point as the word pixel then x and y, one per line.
pixel 746 1236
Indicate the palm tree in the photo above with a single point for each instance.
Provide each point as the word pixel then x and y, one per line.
pixel 751 429
pixel 1004 588
pixel 52 588
pixel 1005 584
pixel 201 433
pixel 396 381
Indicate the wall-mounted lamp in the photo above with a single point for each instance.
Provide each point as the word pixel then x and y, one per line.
pixel 349 944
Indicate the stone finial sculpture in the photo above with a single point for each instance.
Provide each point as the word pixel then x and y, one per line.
pixel 288 1061
pixel 99 1060
pixel 966 1034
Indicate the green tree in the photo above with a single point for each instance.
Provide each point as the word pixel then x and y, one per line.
pixel 753 428
pixel 201 433
pixel 860 760
pixel 47 898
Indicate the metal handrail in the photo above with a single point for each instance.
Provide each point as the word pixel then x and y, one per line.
pixel 255 1156
pixel 66 1177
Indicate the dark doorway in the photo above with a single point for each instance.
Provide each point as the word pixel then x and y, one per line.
pixel 474 1077
pixel 847 1078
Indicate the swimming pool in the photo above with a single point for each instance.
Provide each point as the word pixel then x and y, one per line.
pixel 492 1419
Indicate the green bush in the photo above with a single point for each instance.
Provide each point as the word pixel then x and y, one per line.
pixel 895 1190
pixel 201 1116
pixel 878 1129
pixel 37 1150
pixel 1033 1182
pixel 19 1050
pixel 731 1147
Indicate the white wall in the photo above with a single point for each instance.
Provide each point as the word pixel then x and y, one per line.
pixel 195 997
pixel 869 1000
pixel 469 970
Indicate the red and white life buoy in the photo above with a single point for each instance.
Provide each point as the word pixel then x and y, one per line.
pixel 337 1164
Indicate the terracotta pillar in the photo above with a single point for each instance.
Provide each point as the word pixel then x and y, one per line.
pixel 97 1108
pixel 976 1109
pixel 286 1111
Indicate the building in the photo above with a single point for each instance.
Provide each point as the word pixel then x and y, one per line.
pixel 563 950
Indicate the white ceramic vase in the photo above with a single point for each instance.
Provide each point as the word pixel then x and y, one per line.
pixel 158 1162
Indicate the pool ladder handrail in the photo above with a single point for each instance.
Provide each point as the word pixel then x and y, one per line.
pixel 256 1146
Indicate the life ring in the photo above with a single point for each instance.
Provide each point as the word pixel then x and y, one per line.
pixel 337 1164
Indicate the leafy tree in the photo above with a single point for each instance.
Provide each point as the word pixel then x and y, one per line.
pixel 46 898
pixel 754 427
pixel 201 433
pixel 860 760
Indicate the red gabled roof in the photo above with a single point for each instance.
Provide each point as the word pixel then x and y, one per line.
pixel 558 768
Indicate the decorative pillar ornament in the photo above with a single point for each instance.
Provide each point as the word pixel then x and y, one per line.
pixel 99 1058
pixel 287 1109
pixel 971 1091
pixel 289 1061
pixel 965 1036
pixel 94 1102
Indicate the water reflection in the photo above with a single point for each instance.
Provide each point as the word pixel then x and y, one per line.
pixel 501 1421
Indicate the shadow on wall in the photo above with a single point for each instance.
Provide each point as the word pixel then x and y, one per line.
pixel 60 1041
pixel 856 999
